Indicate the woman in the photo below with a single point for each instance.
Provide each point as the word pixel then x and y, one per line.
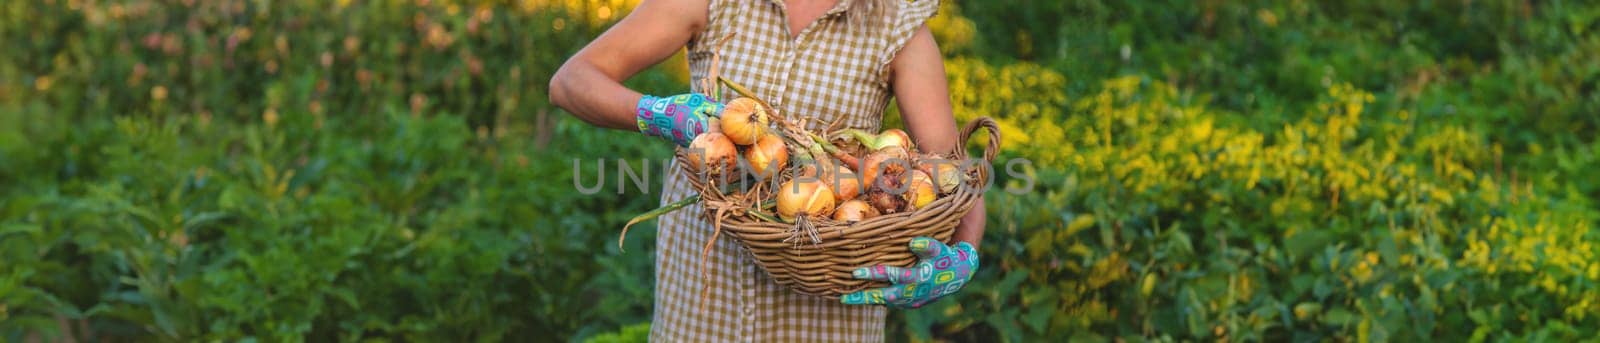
pixel 831 60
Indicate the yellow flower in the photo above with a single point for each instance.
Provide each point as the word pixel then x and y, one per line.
pixel 1267 17
pixel 43 83
pixel 270 117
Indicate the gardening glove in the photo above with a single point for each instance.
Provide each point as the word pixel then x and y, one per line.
pixel 678 118
pixel 940 270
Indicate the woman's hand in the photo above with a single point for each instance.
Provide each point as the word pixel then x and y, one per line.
pixel 940 270
pixel 590 86
pixel 678 118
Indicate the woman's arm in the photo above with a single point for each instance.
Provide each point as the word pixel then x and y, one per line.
pixel 917 76
pixel 590 84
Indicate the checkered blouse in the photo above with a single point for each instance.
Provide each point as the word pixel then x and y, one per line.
pixel 833 70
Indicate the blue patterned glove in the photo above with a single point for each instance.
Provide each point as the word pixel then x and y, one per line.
pixel 678 118
pixel 940 270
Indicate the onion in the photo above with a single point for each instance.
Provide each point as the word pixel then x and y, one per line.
pixel 712 153
pixel 744 120
pixel 885 202
pixel 808 197
pixel 854 211
pixel 896 137
pixel 946 175
pixel 846 183
pixel 767 156
pixel 887 138
pixel 890 161
pixel 921 191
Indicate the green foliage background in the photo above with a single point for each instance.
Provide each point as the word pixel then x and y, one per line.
pixel 391 170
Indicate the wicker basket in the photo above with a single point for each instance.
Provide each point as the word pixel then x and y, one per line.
pixel 815 256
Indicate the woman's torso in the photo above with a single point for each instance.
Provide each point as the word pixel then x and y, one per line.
pixel 832 71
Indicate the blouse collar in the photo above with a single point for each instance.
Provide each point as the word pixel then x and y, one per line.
pixel 841 7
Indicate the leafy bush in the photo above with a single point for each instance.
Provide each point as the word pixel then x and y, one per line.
pixel 632 333
pixel 1176 222
pixel 221 170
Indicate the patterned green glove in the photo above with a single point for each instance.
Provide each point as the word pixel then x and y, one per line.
pixel 678 118
pixel 940 270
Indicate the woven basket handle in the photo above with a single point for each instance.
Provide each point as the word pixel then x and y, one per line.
pixel 991 151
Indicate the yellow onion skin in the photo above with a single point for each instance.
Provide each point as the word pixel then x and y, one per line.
pixel 744 121
pixel 806 197
pixel 946 174
pixel 891 161
pixel 896 137
pixel 921 191
pixel 846 184
pixel 712 153
pixel 768 156
pixel 883 140
pixel 854 211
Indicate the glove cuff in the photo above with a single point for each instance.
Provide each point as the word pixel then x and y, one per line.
pixel 645 115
